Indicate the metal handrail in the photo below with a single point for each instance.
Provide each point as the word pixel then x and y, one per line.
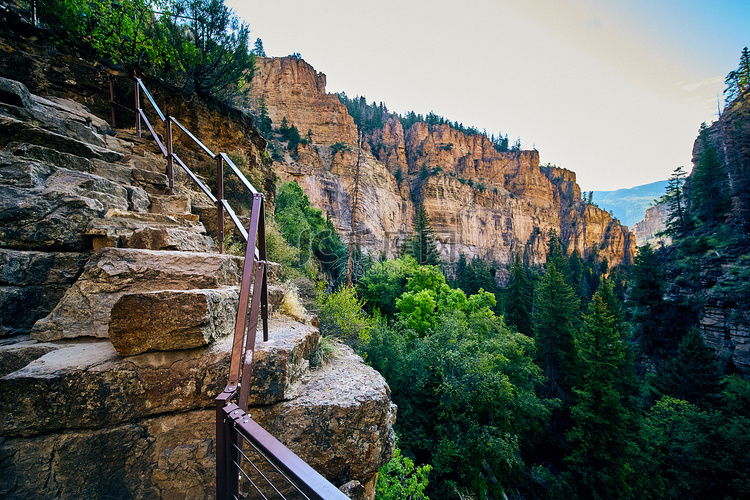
pixel 233 425
pixel 168 152
pixel 239 174
pixel 242 429
pixel 189 134
pixel 140 84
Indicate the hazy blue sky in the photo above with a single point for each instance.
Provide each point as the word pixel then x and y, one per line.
pixel 613 90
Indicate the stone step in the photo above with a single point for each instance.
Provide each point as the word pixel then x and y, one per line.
pixel 87 385
pixel 84 310
pixel 173 320
pixel 150 231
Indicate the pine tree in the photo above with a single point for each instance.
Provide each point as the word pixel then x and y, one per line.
pixel 556 255
pixel 258 48
pixel 555 320
pixel 738 80
pixel 421 245
pixel 600 438
pixel 677 220
pixel 518 298
pixel 708 194
pixel 646 298
pixel 693 375
pixel 264 123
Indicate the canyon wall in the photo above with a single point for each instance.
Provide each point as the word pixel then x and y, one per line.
pixel 482 202
pixel 723 290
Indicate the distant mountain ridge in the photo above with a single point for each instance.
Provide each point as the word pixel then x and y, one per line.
pixel 630 205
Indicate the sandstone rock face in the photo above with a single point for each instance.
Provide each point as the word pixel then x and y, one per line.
pixel 726 329
pixel 293 89
pixel 482 202
pixel 724 318
pixel 647 231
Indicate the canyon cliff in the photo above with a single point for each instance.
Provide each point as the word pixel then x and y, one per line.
pixel 722 289
pixel 482 202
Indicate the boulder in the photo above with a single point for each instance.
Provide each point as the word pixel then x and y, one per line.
pixel 84 310
pixel 172 320
pixel 171 205
pixel 14 93
pixel 344 402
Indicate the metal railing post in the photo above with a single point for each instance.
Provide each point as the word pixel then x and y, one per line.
pixel 220 197
pixel 112 100
pixel 137 109
pixel 223 447
pixel 170 163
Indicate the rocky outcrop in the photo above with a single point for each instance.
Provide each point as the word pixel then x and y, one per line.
pixel 118 317
pixel 648 231
pixel 482 202
pixel 723 290
pixel 293 89
pixel 143 426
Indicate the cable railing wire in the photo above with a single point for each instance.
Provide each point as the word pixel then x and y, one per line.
pixel 270 462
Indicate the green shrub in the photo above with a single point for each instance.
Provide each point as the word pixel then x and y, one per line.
pixel 399 479
pixel 326 352
pixel 341 316
pixel 338 147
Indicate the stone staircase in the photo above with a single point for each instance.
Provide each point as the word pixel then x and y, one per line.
pixel 116 324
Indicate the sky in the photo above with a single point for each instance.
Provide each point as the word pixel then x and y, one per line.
pixel 613 90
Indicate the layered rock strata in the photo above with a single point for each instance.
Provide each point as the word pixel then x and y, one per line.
pixel 117 320
pixel 724 295
pixel 482 202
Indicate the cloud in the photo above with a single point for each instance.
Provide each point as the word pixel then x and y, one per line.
pixel 709 82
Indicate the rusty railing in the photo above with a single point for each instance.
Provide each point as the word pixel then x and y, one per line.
pixel 250 463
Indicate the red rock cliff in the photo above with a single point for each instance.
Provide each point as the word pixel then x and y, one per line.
pixel 482 202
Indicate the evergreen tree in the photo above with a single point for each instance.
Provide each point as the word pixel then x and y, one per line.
pixel 555 321
pixel 600 438
pixel 517 298
pixel 421 245
pixel 211 47
pixel 258 48
pixel 476 275
pixel 646 298
pixel 556 255
pixel 693 375
pixel 738 80
pixel 264 123
pixel 677 221
pixel 708 194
